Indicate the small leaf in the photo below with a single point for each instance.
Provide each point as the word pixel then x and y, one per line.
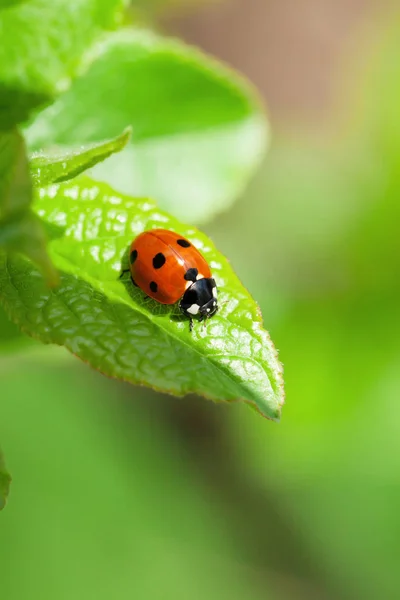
pixel 68 163
pixel 198 129
pixel 5 481
pixel 42 48
pixel 113 326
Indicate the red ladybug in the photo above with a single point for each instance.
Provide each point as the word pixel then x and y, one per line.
pixel 168 268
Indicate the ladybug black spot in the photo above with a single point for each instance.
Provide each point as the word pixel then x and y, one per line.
pixel 191 274
pixel 183 243
pixel 159 260
pixel 153 287
pixel 133 256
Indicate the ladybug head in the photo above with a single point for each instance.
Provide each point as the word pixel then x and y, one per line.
pixel 200 299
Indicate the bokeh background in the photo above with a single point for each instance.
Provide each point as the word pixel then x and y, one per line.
pixel 122 493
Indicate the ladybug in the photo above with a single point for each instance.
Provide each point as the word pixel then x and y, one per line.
pixel 168 268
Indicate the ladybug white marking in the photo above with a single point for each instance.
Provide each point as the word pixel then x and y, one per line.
pixel 194 309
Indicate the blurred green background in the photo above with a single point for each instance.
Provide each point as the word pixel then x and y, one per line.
pixel 119 492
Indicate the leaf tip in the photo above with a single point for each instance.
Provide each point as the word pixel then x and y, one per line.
pixel 125 136
pixel 276 415
pixel 272 414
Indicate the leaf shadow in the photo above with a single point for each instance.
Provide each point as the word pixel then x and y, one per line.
pixel 141 299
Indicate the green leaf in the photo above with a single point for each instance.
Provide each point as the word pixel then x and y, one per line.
pixel 5 481
pixel 113 326
pixel 198 129
pixel 42 48
pixel 65 164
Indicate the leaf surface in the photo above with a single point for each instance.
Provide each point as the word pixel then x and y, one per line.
pixel 113 326
pixel 64 164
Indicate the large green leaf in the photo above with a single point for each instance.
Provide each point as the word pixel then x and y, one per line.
pixel 42 44
pixel 64 164
pixel 198 130
pixel 111 325
pixel 5 481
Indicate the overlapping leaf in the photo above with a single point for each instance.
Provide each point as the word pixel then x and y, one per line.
pixel 65 164
pixel 42 45
pixel 198 129
pixel 114 327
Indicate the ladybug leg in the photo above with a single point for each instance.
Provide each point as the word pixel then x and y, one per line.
pixel 123 273
pixel 190 324
pixel 204 319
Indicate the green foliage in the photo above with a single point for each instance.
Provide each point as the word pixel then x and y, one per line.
pixel 198 130
pixel 69 81
pixel 322 220
pixel 66 164
pixel 115 328
pixel 5 481
pixel 42 47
